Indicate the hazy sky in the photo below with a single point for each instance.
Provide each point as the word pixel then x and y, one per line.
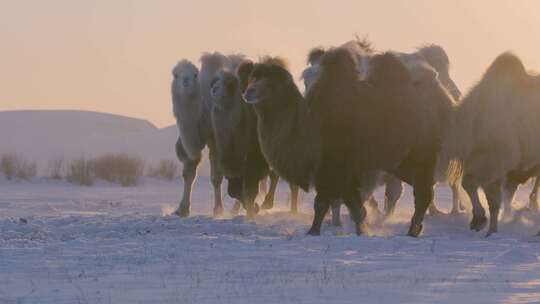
pixel 116 55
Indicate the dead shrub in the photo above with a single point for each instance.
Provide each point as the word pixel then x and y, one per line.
pixel 8 165
pixel 166 169
pixel 26 169
pixel 80 171
pixel 14 166
pixel 119 168
pixel 56 168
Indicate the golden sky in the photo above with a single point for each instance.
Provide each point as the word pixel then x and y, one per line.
pixel 116 55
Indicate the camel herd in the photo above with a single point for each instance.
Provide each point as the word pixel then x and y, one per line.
pixel 364 119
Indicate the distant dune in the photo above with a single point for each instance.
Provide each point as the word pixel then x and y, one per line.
pixel 42 135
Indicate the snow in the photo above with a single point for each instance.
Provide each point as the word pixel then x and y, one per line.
pixel 61 243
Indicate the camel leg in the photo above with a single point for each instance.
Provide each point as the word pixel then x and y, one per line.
pixel 251 189
pixel 357 211
pixel 234 189
pixel 263 186
pixel 268 202
pixel 494 197
pixel 509 189
pixel 423 196
pixel 479 219
pixel 336 213
pixel 392 193
pixel 294 198
pixel 373 205
pixel 533 197
pixel 236 208
pixel 321 206
pixel 189 173
pixel 456 203
pixel 216 176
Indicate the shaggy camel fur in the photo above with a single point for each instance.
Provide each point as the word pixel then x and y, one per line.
pixel 331 139
pixel 427 64
pixel 235 130
pixel 494 136
pixel 191 107
pixel 187 109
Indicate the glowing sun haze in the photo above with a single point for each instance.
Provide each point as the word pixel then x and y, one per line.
pixel 116 56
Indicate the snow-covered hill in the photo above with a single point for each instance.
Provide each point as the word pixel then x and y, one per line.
pixel 43 135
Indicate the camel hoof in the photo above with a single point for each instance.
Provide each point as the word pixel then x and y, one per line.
pixel 490 232
pixel 415 230
pixel 336 222
pixel 182 211
pixel 253 211
pixel 256 208
pixel 388 214
pixel 218 211
pixel 436 212
pixel 236 209
pixel 478 223
pixel 267 204
pixel 362 229
pixel 456 211
pixel 314 232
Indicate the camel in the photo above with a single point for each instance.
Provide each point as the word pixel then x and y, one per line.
pixel 429 55
pixel 191 107
pixel 331 138
pixel 494 137
pixel 235 130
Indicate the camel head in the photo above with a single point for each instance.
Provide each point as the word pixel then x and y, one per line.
pixel 225 90
pixel 268 82
pixel 185 78
pixel 438 59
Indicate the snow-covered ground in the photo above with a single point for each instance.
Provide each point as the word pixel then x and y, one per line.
pixel 61 243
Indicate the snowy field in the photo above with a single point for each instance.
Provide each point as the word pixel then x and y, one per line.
pixel 61 243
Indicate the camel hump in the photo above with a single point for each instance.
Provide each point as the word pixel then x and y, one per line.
pixel 506 67
pixel 274 60
pixel 387 69
pixel 214 60
pixel 341 62
pixel 210 64
pixel 235 60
